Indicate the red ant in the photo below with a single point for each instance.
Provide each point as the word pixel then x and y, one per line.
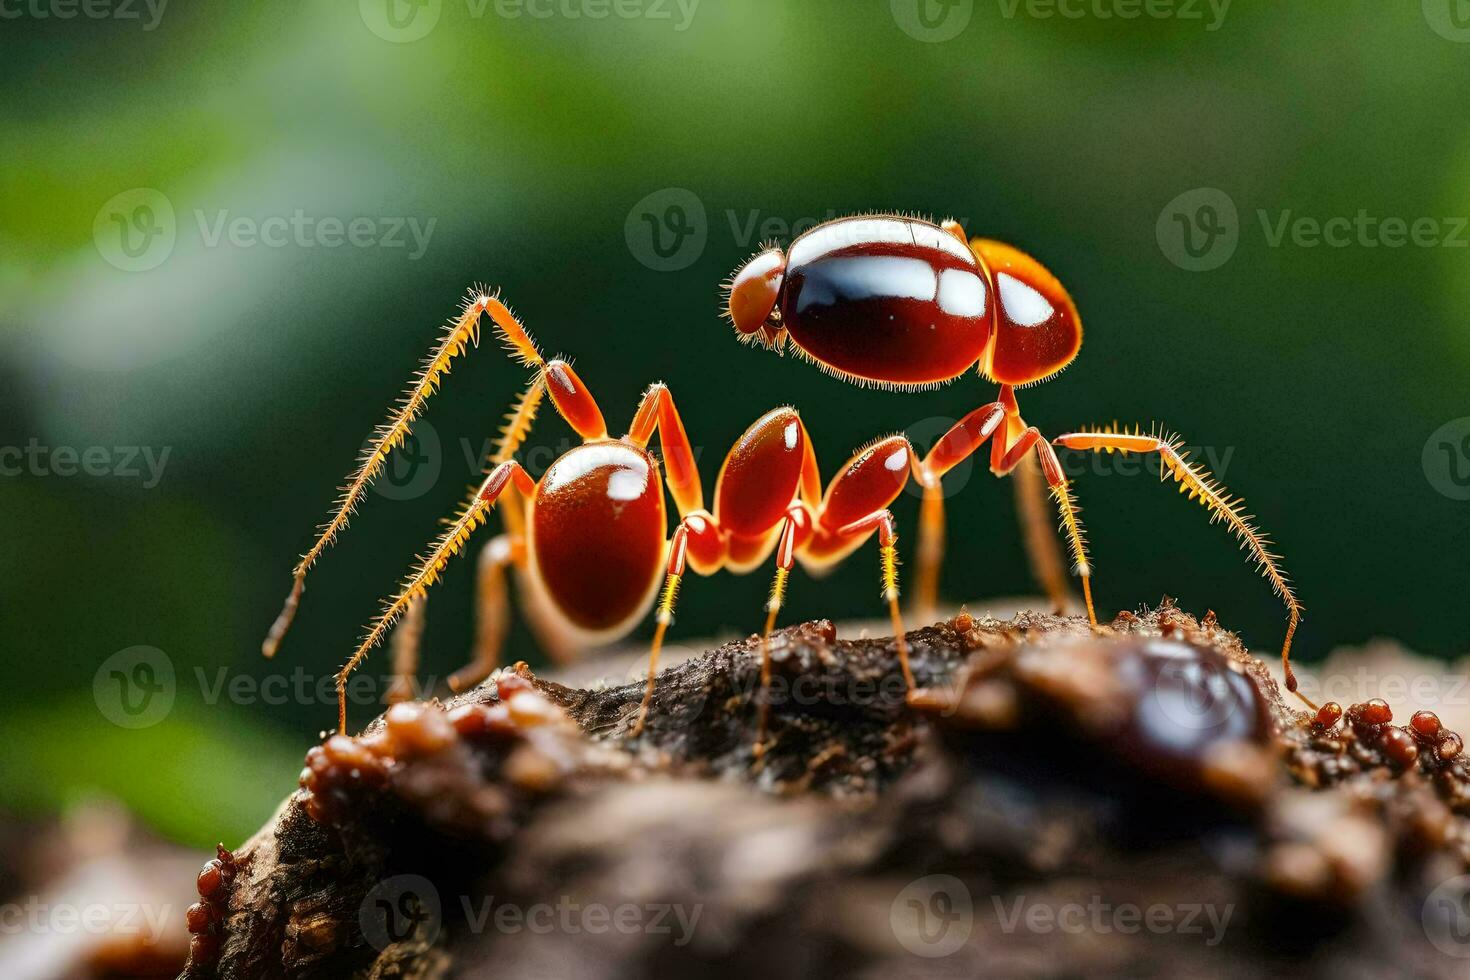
pixel 591 535
pixel 903 303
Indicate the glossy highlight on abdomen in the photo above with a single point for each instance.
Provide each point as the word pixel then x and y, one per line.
pixel 597 534
pixel 887 299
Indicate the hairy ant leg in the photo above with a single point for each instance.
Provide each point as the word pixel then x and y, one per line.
pixel 1196 482
pixel 461 331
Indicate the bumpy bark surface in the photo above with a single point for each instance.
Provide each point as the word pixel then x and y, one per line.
pixel 1137 800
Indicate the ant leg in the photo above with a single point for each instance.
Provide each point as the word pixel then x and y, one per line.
pixel 461 331
pixel 406 640
pixel 492 609
pixel 785 558
pixel 954 447
pixel 857 503
pixel 1042 550
pixel 1197 482
pixel 574 401
pixel 430 566
pixel 959 443
pixel 656 410
pixel 882 522
pixel 1004 462
pixel 930 551
pixel 701 528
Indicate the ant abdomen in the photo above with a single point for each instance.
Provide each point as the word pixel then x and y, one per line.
pixel 891 300
pixel 905 303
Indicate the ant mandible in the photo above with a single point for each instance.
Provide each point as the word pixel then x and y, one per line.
pixel 900 302
pixel 590 535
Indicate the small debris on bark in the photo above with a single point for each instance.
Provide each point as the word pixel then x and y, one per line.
pixel 1136 799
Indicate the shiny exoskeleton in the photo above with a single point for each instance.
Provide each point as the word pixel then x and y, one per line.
pixel 591 537
pixel 903 303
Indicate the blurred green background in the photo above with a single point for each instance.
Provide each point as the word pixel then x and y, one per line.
pixel 1322 375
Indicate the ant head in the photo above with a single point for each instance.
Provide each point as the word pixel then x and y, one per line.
pixel 752 295
pixel 1038 331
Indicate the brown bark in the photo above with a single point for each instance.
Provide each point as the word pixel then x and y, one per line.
pixel 1129 802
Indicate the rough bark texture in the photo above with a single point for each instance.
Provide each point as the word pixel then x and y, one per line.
pixel 1133 801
